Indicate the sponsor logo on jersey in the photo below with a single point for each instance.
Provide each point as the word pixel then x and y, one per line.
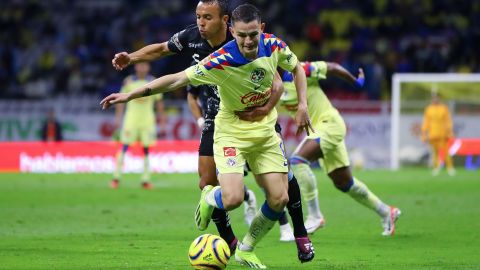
pixel 255 98
pixel 257 75
pixel 195 45
pixel 229 152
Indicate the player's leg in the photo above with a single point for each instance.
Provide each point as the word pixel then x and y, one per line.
pixel 117 173
pixel 300 163
pixel 275 186
pixel 227 196
pixel 435 145
pixel 448 158
pixel 344 181
pixel 208 176
pixel 127 137
pixel 147 138
pixel 146 184
pixel 286 231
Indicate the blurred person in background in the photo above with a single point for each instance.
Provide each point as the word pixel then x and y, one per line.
pixel 327 143
pixel 51 128
pixel 437 130
pixel 139 122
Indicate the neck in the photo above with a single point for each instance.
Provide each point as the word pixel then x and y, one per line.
pixel 219 38
pixel 251 56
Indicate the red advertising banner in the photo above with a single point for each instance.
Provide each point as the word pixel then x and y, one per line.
pixel 95 157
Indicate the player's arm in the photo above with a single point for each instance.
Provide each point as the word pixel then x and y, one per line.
pixel 195 109
pixel 425 125
pixel 301 117
pixel 163 84
pixel 146 54
pixel 258 113
pixel 341 72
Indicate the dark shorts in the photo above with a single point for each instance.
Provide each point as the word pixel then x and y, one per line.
pixel 206 143
pixel 278 128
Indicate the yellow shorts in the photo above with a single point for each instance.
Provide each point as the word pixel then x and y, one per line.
pixel 330 132
pixel 264 155
pixel 146 136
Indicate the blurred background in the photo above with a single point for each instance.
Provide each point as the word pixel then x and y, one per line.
pixel 56 55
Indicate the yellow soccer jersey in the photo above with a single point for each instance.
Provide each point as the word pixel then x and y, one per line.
pixel 319 106
pixel 437 122
pixel 139 112
pixel 243 83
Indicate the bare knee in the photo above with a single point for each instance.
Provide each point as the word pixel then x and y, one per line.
pixel 278 202
pixel 232 201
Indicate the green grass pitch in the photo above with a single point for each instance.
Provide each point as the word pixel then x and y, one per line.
pixel 74 221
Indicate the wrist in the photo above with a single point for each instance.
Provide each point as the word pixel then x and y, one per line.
pixel 359 82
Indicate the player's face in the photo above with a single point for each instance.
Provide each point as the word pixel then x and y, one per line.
pixel 209 21
pixel 247 36
pixel 142 69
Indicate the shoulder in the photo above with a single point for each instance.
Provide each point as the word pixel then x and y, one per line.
pixel 189 33
pixel 128 80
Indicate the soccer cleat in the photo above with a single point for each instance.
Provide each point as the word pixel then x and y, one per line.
pixel 305 249
pixel 250 207
pixel 114 183
pixel 286 233
pixel 147 185
pixel 451 171
pixel 314 223
pixel 249 259
pixel 435 171
pixel 388 222
pixel 203 213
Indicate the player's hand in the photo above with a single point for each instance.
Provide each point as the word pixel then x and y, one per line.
pixel 253 115
pixel 361 78
pixel 121 61
pixel 114 99
pixel 303 120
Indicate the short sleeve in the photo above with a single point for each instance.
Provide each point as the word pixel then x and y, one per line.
pixel 287 60
pixel 199 74
pixel 317 69
pixel 178 41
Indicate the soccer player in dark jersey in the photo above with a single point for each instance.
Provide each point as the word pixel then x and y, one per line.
pixel 209 34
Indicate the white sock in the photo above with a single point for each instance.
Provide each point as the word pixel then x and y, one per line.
pixel 360 192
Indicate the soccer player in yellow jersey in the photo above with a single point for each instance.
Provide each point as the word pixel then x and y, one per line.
pixel 327 144
pixel 139 122
pixel 437 130
pixel 243 70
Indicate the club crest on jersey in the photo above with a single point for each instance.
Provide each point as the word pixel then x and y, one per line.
pixel 257 75
pixel 229 151
pixel 231 162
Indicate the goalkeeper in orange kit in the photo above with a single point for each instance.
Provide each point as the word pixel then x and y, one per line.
pixel 437 130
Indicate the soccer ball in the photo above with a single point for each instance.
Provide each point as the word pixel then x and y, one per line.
pixel 209 251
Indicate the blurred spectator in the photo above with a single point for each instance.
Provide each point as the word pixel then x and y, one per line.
pixel 51 129
pixel 64 47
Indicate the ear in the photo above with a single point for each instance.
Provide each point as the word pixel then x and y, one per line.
pixel 262 26
pixel 225 18
pixel 232 31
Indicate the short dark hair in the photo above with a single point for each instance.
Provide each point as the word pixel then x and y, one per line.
pixel 222 4
pixel 246 13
